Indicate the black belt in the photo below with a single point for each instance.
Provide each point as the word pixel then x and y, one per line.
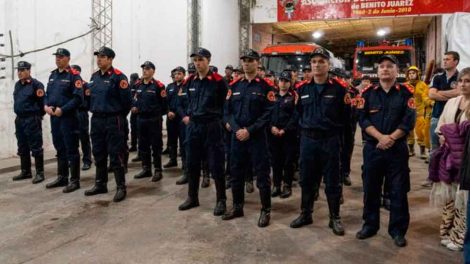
pixel 317 133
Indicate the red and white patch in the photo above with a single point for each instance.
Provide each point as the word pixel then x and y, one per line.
pixel 87 92
pixel 229 94
pixel 39 92
pixel 163 93
pixel 360 102
pixel 411 103
pixel 123 84
pixel 271 96
pixel 78 84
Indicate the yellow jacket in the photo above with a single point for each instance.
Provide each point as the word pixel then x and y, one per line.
pixel 423 102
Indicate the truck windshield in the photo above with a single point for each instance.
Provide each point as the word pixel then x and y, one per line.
pixel 278 63
pixel 367 60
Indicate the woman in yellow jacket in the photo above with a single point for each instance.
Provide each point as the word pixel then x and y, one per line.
pixel 423 112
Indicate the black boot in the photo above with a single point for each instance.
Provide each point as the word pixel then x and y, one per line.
pixel 157 164
pixel 193 190
pixel 39 164
pixel 74 183
pixel 146 168
pixel 25 173
pixel 221 206
pixel 183 179
pixel 235 212
pixel 335 220
pixel 120 178
pixel 63 175
pixel 137 158
pixel 101 180
pixel 306 206
pixel 265 214
pixel 173 156
pixel 422 152
pixel 276 191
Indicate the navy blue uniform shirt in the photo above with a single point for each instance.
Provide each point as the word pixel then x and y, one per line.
pixel 387 112
pixel 284 115
pixel 150 98
pixel 206 97
pixel 324 107
pixel 64 90
pixel 249 104
pixel 28 97
pixel 109 92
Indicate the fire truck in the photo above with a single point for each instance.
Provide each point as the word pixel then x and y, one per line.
pixel 365 60
pixel 283 56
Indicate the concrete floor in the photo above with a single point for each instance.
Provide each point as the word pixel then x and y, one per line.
pixel 47 226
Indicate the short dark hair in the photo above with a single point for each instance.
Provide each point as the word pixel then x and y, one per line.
pixel 365 77
pixel 454 55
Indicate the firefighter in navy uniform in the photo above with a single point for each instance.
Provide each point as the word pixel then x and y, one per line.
pixel 110 102
pixel 173 121
pixel 84 125
pixel 182 108
pixel 28 106
pixel 150 103
pixel 64 95
pixel 247 114
pixel 206 92
pixel 282 131
pixel 324 107
pixel 386 115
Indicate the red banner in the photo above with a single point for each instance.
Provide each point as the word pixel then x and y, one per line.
pixel 291 10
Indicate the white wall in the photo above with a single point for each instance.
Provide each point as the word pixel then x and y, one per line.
pixel 454 25
pixel 142 30
pixel 150 30
pixel 220 31
pixel 36 24
pixel 265 11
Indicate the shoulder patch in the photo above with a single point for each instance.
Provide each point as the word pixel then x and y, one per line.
pixel 78 84
pixel 271 96
pixel 39 92
pixel 411 103
pixel 117 72
pixel 347 99
pixel 163 93
pixel 360 102
pixel 87 92
pixel 123 84
pixel 217 76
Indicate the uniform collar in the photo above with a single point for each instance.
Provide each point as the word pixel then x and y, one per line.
pixel 396 86
pixel 27 81
pixel 208 76
pixel 109 72
pixel 256 79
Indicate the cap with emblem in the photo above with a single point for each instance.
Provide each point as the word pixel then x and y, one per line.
pixel 229 67
pixel 261 68
pixel 338 72
pixel 105 51
pixel 23 65
pixel 320 52
pixel 201 52
pixel 62 52
pixel 391 58
pixel 250 54
pixel 291 68
pixel 286 76
pixel 307 68
pixel 179 69
pixel 238 69
pixel 148 64
pixel 76 67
